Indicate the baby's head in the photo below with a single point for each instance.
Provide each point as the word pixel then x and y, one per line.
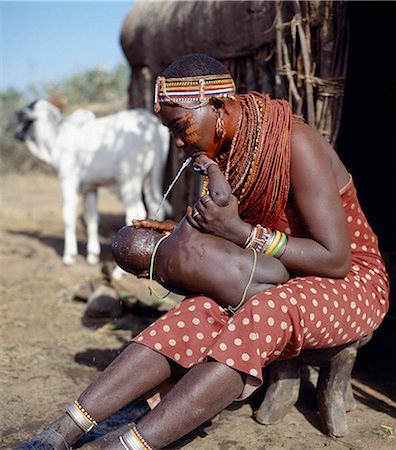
pixel 132 248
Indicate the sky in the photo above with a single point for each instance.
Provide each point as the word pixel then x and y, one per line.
pixel 44 41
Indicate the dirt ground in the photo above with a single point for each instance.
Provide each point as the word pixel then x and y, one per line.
pixel 50 351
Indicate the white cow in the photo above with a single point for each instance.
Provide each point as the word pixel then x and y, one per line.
pixel 127 150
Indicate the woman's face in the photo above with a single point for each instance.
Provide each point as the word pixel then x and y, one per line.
pixel 193 130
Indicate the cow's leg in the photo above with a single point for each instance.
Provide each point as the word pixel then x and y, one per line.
pixel 151 198
pixel 153 195
pixel 69 213
pixel 154 191
pixel 133 203
pixel 132 197
pixel 91 218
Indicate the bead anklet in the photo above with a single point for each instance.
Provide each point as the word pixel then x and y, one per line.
pixel 81 417
pixel 133 440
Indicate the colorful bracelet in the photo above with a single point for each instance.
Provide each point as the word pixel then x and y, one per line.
pixel 275 237
pixel 262 239
pixel 81 417
pixel 283 249
pixel 258 238
pixel 250 238
pixel 279 244
pixel 265 240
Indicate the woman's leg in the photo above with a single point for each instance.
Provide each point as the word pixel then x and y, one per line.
pixel 205 390
pixel 134 372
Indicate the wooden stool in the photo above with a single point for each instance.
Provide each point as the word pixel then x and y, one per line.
pixel 333 391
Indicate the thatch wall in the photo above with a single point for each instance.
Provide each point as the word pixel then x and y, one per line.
pixel 294 50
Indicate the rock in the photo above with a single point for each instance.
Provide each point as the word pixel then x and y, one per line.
pixel 104 302
pixel 84 290
pixel 140 290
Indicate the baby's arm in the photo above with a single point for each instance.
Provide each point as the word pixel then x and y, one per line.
pixel 218 188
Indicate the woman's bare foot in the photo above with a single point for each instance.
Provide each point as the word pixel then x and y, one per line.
pixel 59 435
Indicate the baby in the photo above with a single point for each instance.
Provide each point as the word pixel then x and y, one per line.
pixel 190 262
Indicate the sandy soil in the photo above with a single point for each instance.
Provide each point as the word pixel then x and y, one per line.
pixel 49 352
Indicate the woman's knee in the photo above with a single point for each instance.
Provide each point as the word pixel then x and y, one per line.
pixel 219 374
pixel 146 358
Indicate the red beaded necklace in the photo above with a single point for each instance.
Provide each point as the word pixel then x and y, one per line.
pixel 258 163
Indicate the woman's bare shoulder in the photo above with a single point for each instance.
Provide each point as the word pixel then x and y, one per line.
pixel 304 134
pixel 309 145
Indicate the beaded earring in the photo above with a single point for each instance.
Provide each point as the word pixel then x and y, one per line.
pixel 220 131
pixel 217 105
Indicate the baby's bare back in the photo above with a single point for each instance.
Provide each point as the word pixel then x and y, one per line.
pixel 193 262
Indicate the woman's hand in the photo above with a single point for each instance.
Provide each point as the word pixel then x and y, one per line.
pixel 202 163
pixel 222 221
pixel 217 212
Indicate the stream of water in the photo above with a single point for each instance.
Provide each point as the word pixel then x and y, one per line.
pixel 185 164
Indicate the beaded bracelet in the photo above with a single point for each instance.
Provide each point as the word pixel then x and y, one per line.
pixel 258 236
pixel 265 240
pixel 251 237
pixel 81 417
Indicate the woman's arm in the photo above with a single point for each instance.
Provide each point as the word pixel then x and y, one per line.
pixel 218 210
pixel 316 198
pixel 315 194
pixel 219 189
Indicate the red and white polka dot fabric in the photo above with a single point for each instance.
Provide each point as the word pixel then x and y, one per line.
pixel 306 312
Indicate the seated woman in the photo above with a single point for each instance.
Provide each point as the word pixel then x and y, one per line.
pixel 285 179
pixel 190 262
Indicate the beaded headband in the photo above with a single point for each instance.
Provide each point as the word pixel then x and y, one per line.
pixel 192 92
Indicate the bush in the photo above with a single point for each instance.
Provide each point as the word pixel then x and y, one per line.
pixel 100 90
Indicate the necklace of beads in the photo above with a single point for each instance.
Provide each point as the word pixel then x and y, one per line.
pixel 258 163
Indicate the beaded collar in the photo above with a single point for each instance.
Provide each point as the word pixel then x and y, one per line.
pixel 257 166
pixel 192 92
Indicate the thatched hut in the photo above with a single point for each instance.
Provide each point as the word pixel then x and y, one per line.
pixel 294 50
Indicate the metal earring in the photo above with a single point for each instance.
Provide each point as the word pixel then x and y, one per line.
pixel 220 131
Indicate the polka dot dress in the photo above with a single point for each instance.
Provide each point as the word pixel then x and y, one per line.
pixel 304 313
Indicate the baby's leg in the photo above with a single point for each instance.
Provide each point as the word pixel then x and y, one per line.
pixel 266 272
pixel 230 274
pixel 269 271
